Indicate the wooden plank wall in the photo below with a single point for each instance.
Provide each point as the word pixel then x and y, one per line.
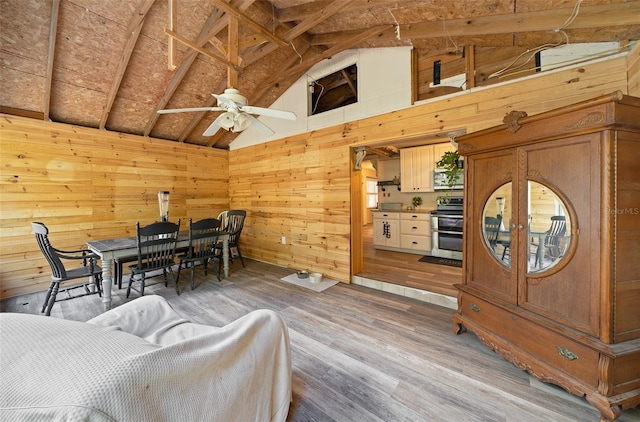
pixel 89 184
pixel 299 186
pixel 86 184
pixel 633 60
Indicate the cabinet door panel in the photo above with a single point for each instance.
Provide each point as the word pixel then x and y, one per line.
pixel 569 292
pixel 488 172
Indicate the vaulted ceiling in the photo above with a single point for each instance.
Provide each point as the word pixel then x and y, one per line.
pixel 112 64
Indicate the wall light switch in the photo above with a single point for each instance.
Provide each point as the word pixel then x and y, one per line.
pixel 283 240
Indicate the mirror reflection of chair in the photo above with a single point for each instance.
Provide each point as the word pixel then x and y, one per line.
pixel 156 244
pixel 550 245
pixel 203 236
pixel 492 230
pixel 89 270
pixel 234 224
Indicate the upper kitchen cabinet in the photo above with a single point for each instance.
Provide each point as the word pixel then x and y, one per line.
pixel 417 165
pixel 552 234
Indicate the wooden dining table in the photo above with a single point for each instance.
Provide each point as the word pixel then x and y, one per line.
pixel 110 249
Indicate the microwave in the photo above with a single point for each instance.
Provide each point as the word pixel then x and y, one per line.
pixel 440 180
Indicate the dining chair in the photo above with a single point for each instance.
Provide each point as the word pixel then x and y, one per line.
pixel 156 246
pixel 491 230
pixel 551 242
pixel 89 270
pixel 203 236
pixel 235 223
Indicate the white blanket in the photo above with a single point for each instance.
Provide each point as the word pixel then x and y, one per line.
pixel 143 362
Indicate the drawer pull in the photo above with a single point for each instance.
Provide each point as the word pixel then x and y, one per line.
pixel 474 307
pixel 566 353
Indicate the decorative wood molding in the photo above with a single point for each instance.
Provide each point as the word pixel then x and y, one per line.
pixel 511 120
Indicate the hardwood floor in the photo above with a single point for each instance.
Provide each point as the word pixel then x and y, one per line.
pixel 360 354
pixel 405 269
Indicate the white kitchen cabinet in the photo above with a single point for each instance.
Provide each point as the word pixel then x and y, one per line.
pixel 415 232
pixel 440 149
pixel 416 169
pixel 386 229
pixel 417 165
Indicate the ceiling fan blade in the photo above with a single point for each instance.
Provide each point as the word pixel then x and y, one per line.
pixel 261 127
pixel 212 129
pixel 183 110
pixel 269 112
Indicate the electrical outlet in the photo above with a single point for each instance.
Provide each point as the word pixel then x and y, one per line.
pixel 284 240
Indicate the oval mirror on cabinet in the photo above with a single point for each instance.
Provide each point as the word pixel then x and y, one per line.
pixel 497 220
pixel 549 228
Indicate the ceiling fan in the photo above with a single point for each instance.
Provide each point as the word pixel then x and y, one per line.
pixel 237 114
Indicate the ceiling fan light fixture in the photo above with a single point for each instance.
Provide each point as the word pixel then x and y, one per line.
pixel 242 122
pixel 226 121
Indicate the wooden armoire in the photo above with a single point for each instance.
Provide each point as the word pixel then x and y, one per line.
pixel 556 288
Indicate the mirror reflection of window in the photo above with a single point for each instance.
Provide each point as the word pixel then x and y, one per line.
pixel 497 217
pixel 549 228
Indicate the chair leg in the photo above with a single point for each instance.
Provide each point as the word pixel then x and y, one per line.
pixel 240 255
pixel 52 298
pixel 129 286
pixel 46 298
pixel 179 268
pixel 193 270
pixel 97 280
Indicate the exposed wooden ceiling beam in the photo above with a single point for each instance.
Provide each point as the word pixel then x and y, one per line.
pixel 215 23
pixel 246 20
pixel 133 29
pixel 197 48
pixel 173 26
pixel 53 25
pixel 354 40
pixel 548 20
pixel 232 70
pixel 305 10
pixel 313 20
pixel 348 80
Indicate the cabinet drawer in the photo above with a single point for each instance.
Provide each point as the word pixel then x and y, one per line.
pixel 416 228
pixel 418 216
pixel 416 243
pixel 386 215
pixel 535 343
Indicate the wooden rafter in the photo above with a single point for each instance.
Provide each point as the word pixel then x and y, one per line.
pixel 196 47
pixel 354 40
pixel 232 52
pixel 305 10
pixel 173 26
pixel 348 80
pixel 133 29
pixel 547 20
pixel 53 25
pixel 246 20
pixel 317 18
pixel 215 23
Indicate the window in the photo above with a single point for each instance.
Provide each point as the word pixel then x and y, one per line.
pixel 372 193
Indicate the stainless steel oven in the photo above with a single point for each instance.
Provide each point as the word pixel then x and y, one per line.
pixel 446 230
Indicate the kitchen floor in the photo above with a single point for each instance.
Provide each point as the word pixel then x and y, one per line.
pixel 405 269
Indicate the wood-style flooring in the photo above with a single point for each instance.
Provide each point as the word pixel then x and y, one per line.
pixel 405 269
pixel 360 354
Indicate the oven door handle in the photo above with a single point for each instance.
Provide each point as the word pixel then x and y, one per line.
pixel 456 216
pixel 445 232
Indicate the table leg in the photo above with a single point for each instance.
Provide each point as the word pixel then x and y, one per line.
pixel 225 257
pixel 107 281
